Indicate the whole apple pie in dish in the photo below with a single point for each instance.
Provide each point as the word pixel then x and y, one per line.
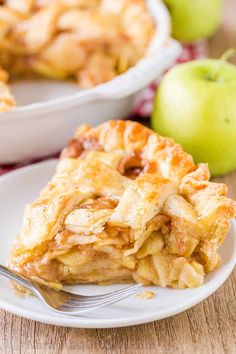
pixel 90 41
pixel 125 205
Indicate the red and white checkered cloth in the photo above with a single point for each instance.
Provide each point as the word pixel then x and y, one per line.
pixel 198 50
pixel 143 108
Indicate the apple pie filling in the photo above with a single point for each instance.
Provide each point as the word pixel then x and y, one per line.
pixel 89 42
pixel 125 205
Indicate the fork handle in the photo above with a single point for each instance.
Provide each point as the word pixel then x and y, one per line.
pixel 16 277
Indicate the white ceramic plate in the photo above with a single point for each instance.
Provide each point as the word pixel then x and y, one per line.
pixel 20 187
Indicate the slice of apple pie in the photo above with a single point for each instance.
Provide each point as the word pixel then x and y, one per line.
pixel 125 205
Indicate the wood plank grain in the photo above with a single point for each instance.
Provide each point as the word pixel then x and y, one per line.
pixel 226 37
pixel 209 327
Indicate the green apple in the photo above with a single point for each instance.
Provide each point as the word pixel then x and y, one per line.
pixel 194 19
pixel 196 106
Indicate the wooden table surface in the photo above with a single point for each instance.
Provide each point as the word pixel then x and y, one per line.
pixel 209 327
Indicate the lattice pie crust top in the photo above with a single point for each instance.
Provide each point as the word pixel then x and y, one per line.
pixel 125 205
pixel 89 41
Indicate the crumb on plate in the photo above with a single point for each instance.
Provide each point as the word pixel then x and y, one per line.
pixel 147 295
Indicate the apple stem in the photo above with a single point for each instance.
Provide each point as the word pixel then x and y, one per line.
pixel 223 59
pixel 228 54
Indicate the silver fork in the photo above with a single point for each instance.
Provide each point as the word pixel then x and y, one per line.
pixel 64 302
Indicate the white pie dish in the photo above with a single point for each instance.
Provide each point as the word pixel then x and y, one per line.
pixel 25 185
pixel 48 112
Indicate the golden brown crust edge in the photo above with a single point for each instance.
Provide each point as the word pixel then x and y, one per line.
pixel 133 138
pixel 165 155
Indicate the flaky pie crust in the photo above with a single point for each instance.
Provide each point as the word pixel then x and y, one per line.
pixel 88 41
pixel 125 205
